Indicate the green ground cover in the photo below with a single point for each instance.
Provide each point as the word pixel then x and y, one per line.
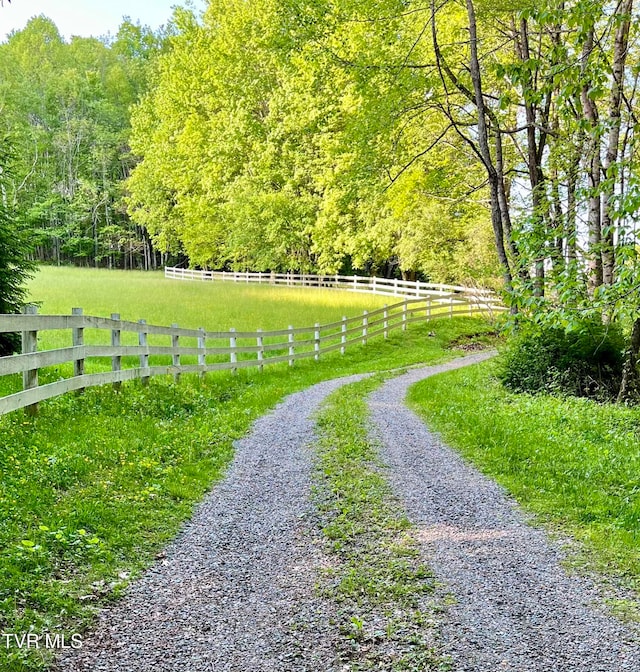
pixel 192 304
pixel 96 484
pixel 384 591
pixel 573 462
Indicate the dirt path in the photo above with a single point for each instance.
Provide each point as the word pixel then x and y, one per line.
pixel 515 607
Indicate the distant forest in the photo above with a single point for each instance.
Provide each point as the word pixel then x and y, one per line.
pixel 231 143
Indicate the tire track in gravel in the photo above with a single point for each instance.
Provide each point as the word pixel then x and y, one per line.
pixel 236 590
pixel 515 607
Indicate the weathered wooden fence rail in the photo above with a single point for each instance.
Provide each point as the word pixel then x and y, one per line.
pixel 354 283
pixel 111 351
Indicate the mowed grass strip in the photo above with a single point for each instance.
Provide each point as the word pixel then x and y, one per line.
pixel 573 462
pixel 377 578
pixel 94 486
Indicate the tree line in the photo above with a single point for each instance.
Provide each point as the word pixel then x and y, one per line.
pixel 65 121
pixel 465 140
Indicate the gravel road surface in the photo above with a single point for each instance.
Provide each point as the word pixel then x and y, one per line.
pixel 235 591
pixel 515 607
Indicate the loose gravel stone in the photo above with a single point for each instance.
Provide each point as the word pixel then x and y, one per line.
pixel 515 607
pixel 235 591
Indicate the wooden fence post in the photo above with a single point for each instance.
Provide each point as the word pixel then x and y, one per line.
pixel 202 355
pixel 404 314
pixel 260 341
pixel 343 338
pixel 291 346
pixel 144 357
pixel 30 344
pixel 116 360
pixel 365 327
pixel 77 342
pixel 385 325
pixel 316 341
pixel 175 357
pixel 233 343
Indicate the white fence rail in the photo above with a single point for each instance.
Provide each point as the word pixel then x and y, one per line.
pixel 110 350
pixel 354 283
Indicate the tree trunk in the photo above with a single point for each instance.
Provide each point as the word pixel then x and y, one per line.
pixel 594 168
pixel 629 383
pixel 619 61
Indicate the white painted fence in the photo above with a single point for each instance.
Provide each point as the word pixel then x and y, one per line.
pixel 139 350
pixel 354 283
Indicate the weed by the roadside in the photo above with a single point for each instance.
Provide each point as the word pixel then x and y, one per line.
pixel 573 462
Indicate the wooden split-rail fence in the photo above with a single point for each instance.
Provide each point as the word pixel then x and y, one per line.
pixel 103 351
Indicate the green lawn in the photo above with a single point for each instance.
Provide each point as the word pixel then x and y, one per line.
pixel 573 462
pixel 96 484
pixel 192 304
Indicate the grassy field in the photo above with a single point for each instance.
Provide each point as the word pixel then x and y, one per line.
pixel 573 462
pixel 212 305
pixel 96 484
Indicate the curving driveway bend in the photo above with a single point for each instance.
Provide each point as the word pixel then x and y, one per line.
pixel 235 591
pixel 514 607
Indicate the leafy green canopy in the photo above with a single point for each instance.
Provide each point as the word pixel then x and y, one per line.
pixel 66 107
pixel 284 135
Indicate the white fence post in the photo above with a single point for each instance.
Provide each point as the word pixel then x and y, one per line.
pixel 428 309
pixel 78 341
pixel 260 342
pixel 30 344
pixel 451 306
pixel 365 327
pixel 404 314
pixel 316 341
pixel 144 357
pixel 175 356
pixel 233 342
pixel 202 355
pixel 116 360
pixel 385 325
pixel 291 346
pixel 343 339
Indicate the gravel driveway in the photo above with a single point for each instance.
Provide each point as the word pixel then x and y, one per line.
pixel 515 608
pixel 236 590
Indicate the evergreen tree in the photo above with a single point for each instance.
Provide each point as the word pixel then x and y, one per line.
pixel 15 266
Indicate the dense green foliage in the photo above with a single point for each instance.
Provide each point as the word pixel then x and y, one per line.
pixel 573 462
pixel 283 136
pixel 586 362
pixel 66 107
pixel 14 248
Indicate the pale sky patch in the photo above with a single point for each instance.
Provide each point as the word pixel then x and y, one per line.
pixel 88 17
